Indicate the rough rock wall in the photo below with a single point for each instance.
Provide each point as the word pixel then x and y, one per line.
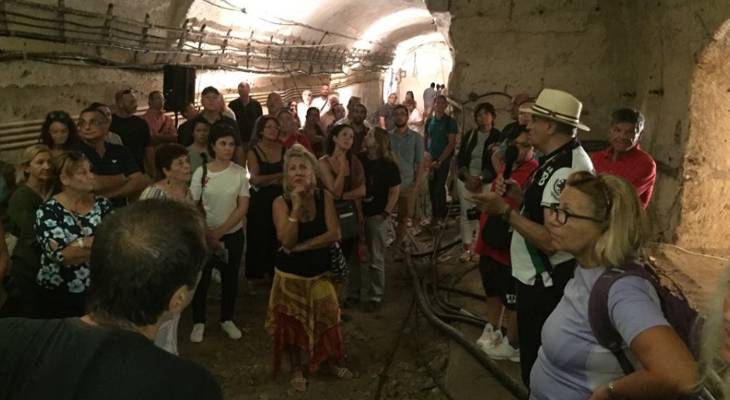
pixel 612 54
pixel 523 46
pixel 36 88
pixel 683 85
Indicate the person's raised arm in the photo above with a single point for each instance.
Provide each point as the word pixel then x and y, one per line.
pixel 333 229
pixel 335 184
pixel 286 221
pixel 357 173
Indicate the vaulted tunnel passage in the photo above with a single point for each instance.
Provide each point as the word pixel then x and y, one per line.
pixel 667 59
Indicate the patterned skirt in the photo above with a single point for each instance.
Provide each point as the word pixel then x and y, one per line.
pixel 304 313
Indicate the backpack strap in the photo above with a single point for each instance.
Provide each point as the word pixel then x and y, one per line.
pixel 598 315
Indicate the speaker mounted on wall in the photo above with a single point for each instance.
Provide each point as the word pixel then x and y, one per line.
pixel 178 87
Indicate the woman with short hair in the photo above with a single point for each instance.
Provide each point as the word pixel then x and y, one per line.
pixel 35 186
pixel 474 163
pixel 600 221
pixel 59 132
pixel 173 171
pixel 304 315
pixel 221 187
pixel 64 228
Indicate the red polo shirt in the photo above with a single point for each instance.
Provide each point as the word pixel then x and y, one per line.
pixel 635 165
pixel 520 175
pixel 297 138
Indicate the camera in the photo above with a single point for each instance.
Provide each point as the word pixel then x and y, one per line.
pixel 473 213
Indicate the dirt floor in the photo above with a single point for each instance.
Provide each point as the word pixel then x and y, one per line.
pixel 395 352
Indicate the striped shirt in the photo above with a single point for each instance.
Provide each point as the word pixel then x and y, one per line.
pixel 542 190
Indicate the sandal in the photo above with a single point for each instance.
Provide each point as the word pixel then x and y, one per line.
pixel 299 383
pixel 342 373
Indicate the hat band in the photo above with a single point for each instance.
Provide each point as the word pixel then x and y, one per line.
pixel 554 114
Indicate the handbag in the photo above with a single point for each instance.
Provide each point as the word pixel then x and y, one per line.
pixel 338 264
pixel 347 216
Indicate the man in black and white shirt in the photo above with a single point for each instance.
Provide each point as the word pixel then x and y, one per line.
pixel 540 271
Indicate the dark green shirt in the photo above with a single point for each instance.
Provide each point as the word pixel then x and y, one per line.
pixel 26 258
pixel 438 130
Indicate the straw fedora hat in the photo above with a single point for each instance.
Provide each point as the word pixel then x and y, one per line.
pixel 559 106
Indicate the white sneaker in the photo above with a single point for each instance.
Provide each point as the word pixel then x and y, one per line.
pixel 196 336
pixel 503 351
pixel 231 329
pixel 490 338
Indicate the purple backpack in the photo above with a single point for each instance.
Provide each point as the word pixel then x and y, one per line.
pixel 680 315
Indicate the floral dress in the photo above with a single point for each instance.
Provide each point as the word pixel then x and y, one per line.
pixel 56 228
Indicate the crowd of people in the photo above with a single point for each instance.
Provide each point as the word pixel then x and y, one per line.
pixel 123 220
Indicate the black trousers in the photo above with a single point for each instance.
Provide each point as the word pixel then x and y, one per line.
pixel 534 305
pixel 233 242
pixel 437 189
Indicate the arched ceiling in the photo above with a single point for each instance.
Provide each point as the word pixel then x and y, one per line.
pixel 268 36
pixel 370 25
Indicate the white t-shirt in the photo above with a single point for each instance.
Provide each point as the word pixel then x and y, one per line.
pixel 414 121
pixel 221 193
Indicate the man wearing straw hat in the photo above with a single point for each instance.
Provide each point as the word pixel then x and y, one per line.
pixel 540 271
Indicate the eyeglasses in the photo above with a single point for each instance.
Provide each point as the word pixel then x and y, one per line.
pixel 562 215
pixel 587 178
pixel 95 122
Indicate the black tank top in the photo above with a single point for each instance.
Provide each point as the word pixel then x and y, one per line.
pixel 308 263
pixel 269 168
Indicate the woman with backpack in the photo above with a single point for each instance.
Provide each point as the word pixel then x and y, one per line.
pixel 600 221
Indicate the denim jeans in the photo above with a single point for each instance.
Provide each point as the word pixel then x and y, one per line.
pixel 372 272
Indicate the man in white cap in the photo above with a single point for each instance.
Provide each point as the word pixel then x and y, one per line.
pixel 540 271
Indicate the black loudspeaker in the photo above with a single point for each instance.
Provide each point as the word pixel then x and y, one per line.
pixel 178 87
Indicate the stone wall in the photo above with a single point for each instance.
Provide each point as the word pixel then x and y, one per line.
pixel 612 54
pixel 683 84
pixel 37 88
pixel 513 47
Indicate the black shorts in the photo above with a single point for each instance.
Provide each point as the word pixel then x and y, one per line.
pixel 497 280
